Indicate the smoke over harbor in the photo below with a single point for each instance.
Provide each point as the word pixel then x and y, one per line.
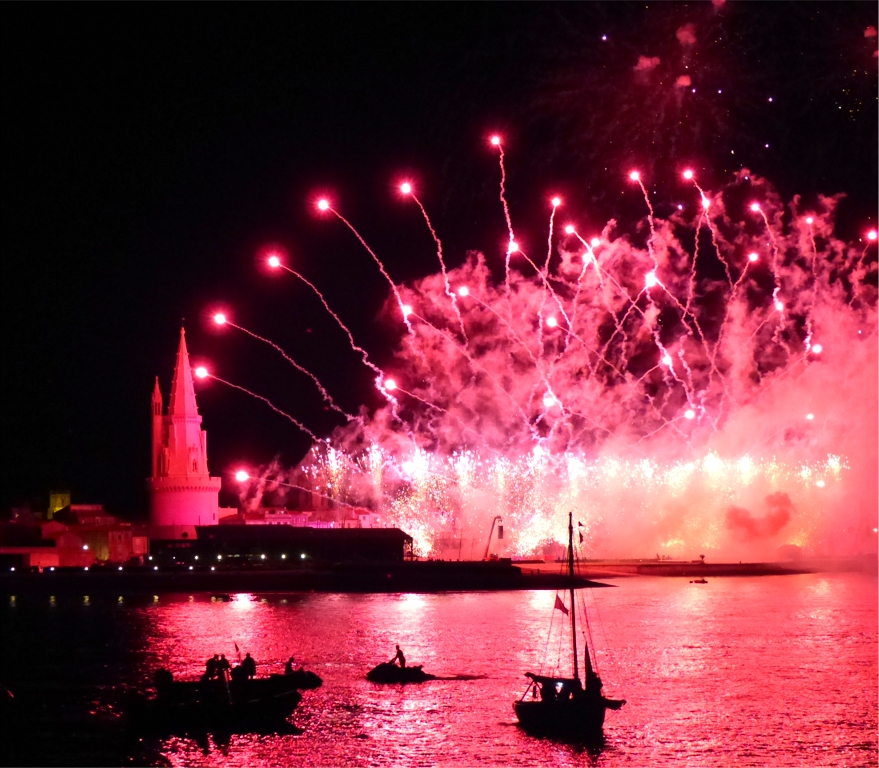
pixel 705 382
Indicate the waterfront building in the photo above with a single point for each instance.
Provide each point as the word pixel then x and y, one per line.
pixel 183 494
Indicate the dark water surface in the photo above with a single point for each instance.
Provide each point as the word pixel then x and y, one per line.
pixel 763 671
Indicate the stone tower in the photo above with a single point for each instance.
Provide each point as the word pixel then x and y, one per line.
pixel 182 492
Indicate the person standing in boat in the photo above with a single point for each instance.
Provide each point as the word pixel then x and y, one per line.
pixel 212 667
pixel 223 666
pixel 248 665
pixel 399 657
pixel 288 669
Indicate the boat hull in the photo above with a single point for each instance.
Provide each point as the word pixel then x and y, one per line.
pixel 577 719
pixel 388 672
pixel 236 706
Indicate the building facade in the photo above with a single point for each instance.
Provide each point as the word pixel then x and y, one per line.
pixel 183 494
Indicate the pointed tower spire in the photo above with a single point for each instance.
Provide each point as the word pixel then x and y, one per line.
pixel 182 403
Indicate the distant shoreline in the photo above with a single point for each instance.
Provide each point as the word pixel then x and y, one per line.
pixel 419 576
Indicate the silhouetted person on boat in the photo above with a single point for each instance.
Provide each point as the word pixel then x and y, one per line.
pixel 212 667
pixel 290 667
pixel 399 657
pixel 249 666
pixel 223 665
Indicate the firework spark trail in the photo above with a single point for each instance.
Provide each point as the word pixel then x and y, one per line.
pixel 271 405
pixel 377 261
pixel 366 361
pixel 546 284
pixel 429 404
pixel 811 305
pixel 439 254
pixel 636 177
pixel 326 395
pixel 477 366
pixel 706 207
pixel 496 141
pixel 777 336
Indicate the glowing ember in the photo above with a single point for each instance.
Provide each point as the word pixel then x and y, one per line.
pixel 556 202
pixel 463 291
pixel 755 207
pixel 496 140
pixel 241 476
pixel 689 414
pixel 201 372
pixel 274 262
pixel 753 257
pixel 552 322
pixel 871 235
pixel 513 247
pixel 569 229
pixel 650 280
pixel 323 205
pixel 817 349
pixel 390 384
pixel 406 188
pixel 220 318
pixel 688 174
pixel 635 176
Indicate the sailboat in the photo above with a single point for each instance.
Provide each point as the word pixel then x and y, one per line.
pixel 563 706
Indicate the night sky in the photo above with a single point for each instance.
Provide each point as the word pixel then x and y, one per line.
pixel 151 153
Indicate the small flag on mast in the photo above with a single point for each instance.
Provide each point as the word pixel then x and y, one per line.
pixel 560 605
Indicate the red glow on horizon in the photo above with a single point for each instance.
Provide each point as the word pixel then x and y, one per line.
pixel 201 372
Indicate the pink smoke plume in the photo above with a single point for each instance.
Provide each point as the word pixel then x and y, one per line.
pixel 748 527
pixel 646 63
pixel 686 34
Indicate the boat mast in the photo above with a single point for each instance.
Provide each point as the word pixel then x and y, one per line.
pixel 571 577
